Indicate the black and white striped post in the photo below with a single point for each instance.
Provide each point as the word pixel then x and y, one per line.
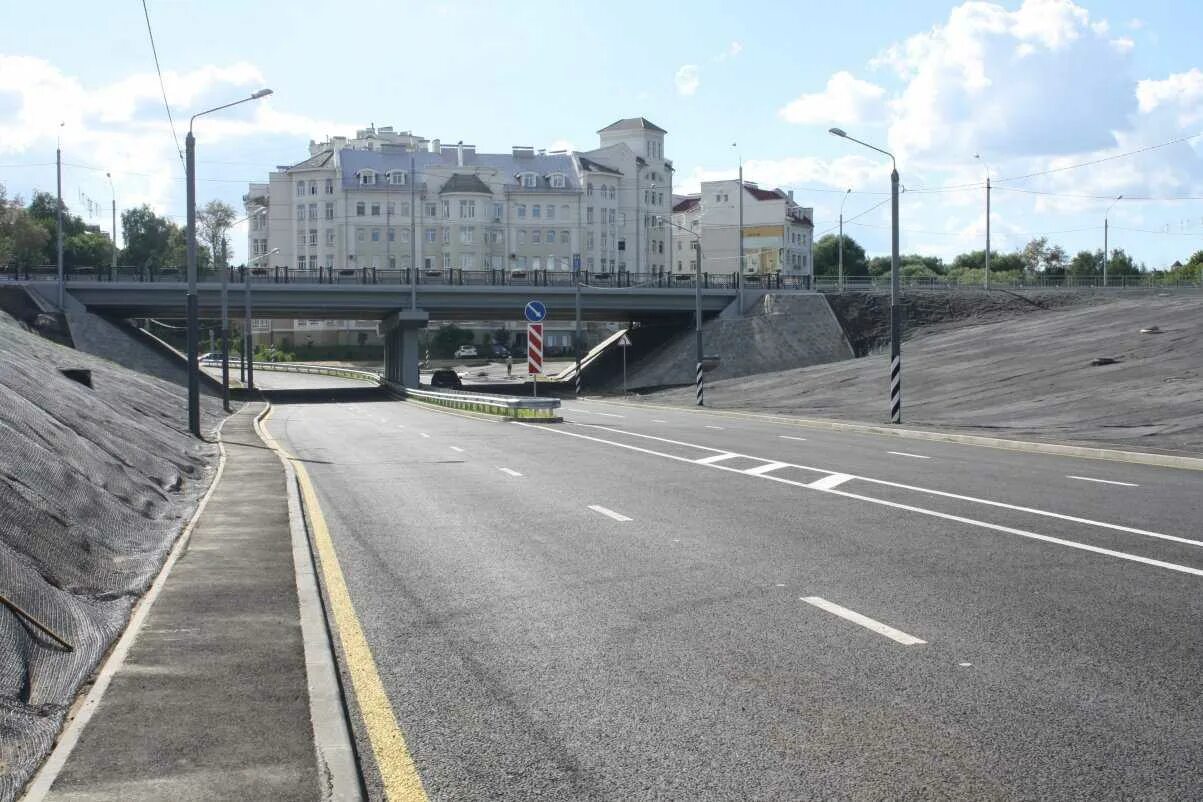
pixel 577 339
pixel 895 310
pixel 697 294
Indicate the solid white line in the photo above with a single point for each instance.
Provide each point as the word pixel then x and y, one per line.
pixel 904 454
pixel 603 414
pixel 457 449
pixel 943 493
pixel 424 434
pixel 829 482
pixel 763 469
pixel 608 513
pixel 715 458
pixel 864 621
pixel 1103 481
pixel 708 426
pixel 921 510
pixel 788 437
pixel 509 471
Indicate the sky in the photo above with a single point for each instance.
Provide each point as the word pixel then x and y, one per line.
pixel 1035 88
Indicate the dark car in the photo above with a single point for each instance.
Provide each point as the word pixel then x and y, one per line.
pixel 500 351
pixel 447 379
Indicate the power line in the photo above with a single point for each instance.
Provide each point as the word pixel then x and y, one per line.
pixel 1100 197
pixel 162 86
pixel 1100 160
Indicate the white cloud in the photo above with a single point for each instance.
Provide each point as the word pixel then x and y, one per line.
pixel 561 144
pixel 1183 91
pixel 688 79
pixel 853 171
pixel 1123 44
pixel 732 51
pixel 846 100
pixel 1135 24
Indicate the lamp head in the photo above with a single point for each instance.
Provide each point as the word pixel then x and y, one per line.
pixel 1119 197
pixel 837 132
pixel 261 93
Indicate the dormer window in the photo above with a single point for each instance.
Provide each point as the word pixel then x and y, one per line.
pixel 528 180
pixel 367 178
pixel 396 178
pixel 556 180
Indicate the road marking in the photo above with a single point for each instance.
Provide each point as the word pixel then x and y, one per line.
pixel 608 513
pixel 768 466
pixel 830 482
pixel 866 622
pixel 603 414
pixel 423 434
pixel 657 420
pixel 457 449
pixel 509 471
pixel 1103 481
pixel 790 437
pixel 713 458
pixel 904 454
pixel 398 774
pixel 901 486
pixel 1073 544
pixel 708 426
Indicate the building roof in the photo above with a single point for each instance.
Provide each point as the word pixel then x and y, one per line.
pixel 764 194
pixel 320 160
pixel 590 166
pixel 506 164
pixel 466 182
pixel 687 204
pixel 633 124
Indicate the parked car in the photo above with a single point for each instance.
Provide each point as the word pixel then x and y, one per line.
pixel 500 351
pixel 212 356
pixel 447 379
pixel 465 351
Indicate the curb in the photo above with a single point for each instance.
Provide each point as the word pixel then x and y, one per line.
pixel 338 761
pixel 83 708
pixel 1028 446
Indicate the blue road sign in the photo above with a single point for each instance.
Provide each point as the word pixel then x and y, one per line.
pixel 535 311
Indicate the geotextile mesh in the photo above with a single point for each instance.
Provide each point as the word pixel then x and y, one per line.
pixel 95 485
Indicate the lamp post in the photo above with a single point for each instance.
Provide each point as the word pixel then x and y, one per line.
pixel 58 158
pixel 190 298
pixel 113 192
pixel 895 311
pixel 978 156
pixel 248 345
pixel 1106 226
pixel 740 275
pixel 255 209
pixel 697 305
pixel 841 251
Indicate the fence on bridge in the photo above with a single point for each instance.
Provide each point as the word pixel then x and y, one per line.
pixel 882 283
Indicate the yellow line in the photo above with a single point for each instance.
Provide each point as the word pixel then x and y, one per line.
pixel 397 770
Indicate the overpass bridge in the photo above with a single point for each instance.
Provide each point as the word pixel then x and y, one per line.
pixel 388 296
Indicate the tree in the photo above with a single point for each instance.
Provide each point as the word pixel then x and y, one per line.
pixel 444 341
pixel 88 248
pixel 826 257
pixel 213 223
pixel 1055 260
pixel 880 266
pixel 1033 255
pixel 147 237
pixel 1121 264
pixel 1086 264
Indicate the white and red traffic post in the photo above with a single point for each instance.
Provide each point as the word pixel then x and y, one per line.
pixel 534 353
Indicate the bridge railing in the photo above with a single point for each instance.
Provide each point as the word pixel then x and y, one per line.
pixel 507 406
pixel 297 367
pixel 440 277
pixel 882 283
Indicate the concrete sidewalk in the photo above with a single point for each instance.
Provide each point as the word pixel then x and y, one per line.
pixel 212 700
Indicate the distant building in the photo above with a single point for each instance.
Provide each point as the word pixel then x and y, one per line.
pixel 778 235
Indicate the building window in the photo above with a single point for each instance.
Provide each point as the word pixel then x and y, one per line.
pixel 466 234
pixel 432 235
pixel 556 181
pixel 300 239
pixel 446 235
pixel 446 261
pixel 529 180
pixel 536 210
pixel 313 237
pixel 496 211
pixel 396 178
pixel 605 242
pixel 432 210
pixel 312 187
pixel 300 211
pixel 551 236
pixel 313 211
pixel 589 241
pixel 300 263
pixel 390 209
pixel 329 260
pixel 392 234
pixel 405 235
pixel 466 262
pixel 367 178
pixel 534 262
pixel 300 189
pixel 589 189
pixel 375 210
pixel 564 237
pixel 329 237
pixel 360 209
pixel 329 186
pixel 467 208
pixel 535 236
pixel 329 210
pixel 589 263
pixel 521 210
pixel 589 214
pixel 612 216
pixel 522 236
pixel 375 235
pixel 405 209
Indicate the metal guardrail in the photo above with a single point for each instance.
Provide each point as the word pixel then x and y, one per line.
pixel 508 406
pixel 882 283
pixel 296 367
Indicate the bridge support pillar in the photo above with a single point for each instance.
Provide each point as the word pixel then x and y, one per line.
pixel 401 358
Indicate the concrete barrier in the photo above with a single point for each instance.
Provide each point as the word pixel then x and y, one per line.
pixel 509 407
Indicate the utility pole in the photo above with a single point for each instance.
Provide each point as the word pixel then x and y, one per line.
pixel 114 194
pixel 413 235
pixel 697 317
pixel 1106 226
pixel 987 230
pixel 62 290
pixel 225 328
pixel 740 279
pixel 841 249
pixel 190 297
pixel 577 393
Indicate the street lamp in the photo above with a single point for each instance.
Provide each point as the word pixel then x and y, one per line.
pixel 697 302
pixel 1106 226
pixel 248 345
pixel 978 156
pixel 113 192
pixel 895 312
pixel 190 298
pixel 740 274
pixel 841 251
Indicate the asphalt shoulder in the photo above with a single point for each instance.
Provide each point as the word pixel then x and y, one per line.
pixel 212 700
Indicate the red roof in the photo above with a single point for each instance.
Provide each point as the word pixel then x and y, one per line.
pixel 687 205
pixel 764 194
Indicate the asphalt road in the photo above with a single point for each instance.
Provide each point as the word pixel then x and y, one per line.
pixel 649 603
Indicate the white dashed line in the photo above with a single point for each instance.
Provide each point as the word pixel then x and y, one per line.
pixel 788 437
pixel 904 454
pixel 608 513
pixel 423 434
pixel 657 420
pixel 708 426
pixel 509 471
pixel 864 621
pixel 1103 481
pixel 713 458
pixel 457 449
pixel 768 466
pixel 830 481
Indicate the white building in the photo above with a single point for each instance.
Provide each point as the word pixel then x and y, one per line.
pixel 391 200
pixel 778 235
